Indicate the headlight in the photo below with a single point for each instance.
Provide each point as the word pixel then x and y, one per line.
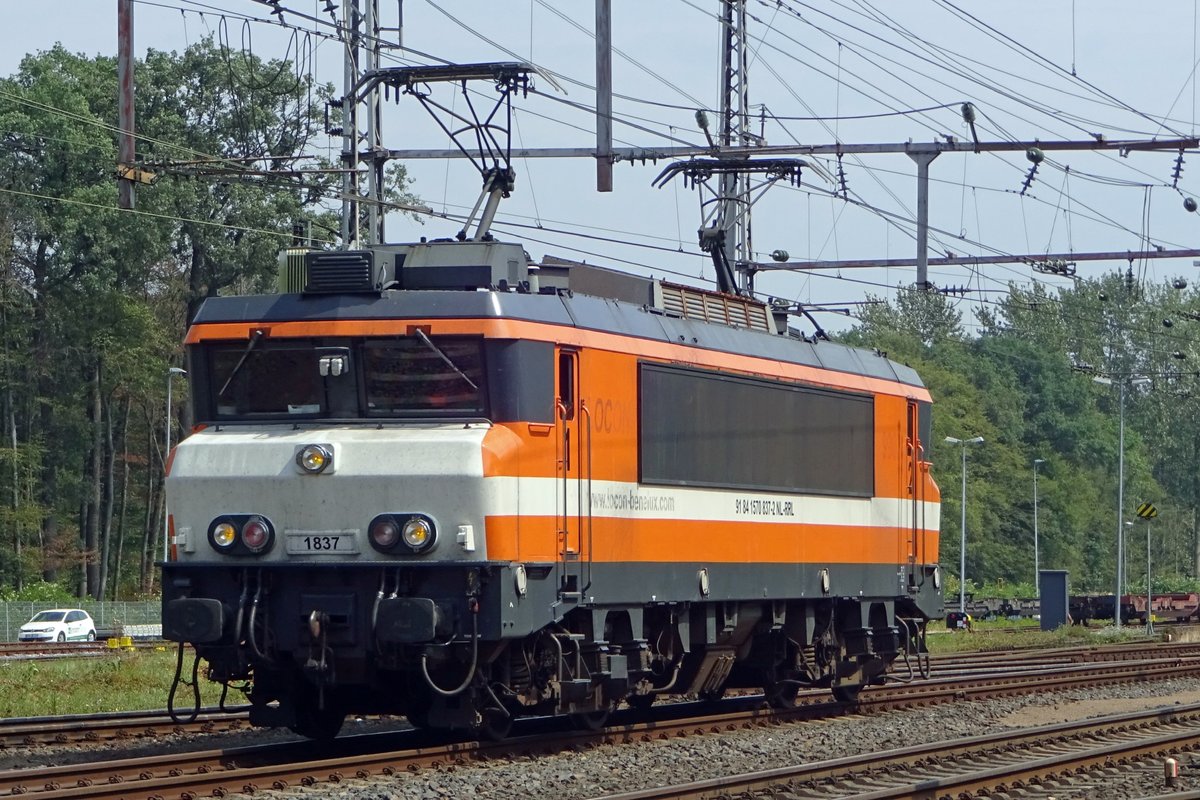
pixel 224 535
pixel 314 458
pixel 418 534
pixel 399 532
pixel 241 534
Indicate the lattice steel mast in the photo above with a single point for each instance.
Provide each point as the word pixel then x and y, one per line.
pixel 733 219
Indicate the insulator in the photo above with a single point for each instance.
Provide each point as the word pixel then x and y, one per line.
pixel 1029 176
pixel 779 255
pixel 968 113
pixel 702 119
pixel 1179 355
pixel 1189 204
pixel 1167 323
pixel 1179 283
pixel 1035 155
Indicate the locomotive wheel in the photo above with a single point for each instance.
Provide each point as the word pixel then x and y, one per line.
pixel 418 718
pixel 321 724
pixel 846 694
pixel 781 694
pixel 640 702
pixel 590 720
pixel 417 711
pixel 494 726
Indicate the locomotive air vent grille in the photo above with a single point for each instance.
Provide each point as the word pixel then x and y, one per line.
pixel 341 271
pixel 723 309
pixel 292 275
pixel 672 301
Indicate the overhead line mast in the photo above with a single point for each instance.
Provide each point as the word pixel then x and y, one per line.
pixel 362 123
pixel 351 42
pixel 734 216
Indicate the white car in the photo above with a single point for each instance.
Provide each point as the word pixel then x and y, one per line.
pixel 59 625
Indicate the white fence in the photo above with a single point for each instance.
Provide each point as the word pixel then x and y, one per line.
pixel 112 618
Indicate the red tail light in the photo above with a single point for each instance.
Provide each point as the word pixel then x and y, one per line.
pixel 256 535
pixel 385 533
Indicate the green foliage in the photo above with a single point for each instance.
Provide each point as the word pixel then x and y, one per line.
pixel 118 682
pixel 1025 385
pixel 101 297
pixel 39 592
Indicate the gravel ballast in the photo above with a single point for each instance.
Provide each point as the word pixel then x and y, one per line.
pixel 613 769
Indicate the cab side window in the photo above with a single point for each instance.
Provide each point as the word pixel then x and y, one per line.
pixel 566 384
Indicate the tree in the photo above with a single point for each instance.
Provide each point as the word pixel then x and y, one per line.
pixel 101 297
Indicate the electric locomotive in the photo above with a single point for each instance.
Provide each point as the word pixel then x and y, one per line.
pixel 436 480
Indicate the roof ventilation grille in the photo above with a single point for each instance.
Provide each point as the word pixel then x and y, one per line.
pixel 340 271
pixel 724 309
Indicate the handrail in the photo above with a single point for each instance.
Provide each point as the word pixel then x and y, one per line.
pixel 587 413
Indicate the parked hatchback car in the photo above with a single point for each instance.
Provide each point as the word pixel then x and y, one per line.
pixel 59 625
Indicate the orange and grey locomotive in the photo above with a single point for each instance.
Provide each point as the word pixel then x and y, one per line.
pixel 437 481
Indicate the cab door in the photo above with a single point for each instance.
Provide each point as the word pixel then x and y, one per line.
pixel 917 466
pixel 573 496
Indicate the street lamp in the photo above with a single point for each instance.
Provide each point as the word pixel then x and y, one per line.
pixel 1138 380
pixel 171 373
pixel 1037 581
pixel 962 547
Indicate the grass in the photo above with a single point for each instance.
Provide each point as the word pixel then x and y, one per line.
pixel 1002 635
pixel 138 681
pixel 131 681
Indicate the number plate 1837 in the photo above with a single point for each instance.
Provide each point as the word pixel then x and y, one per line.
pixel 319 542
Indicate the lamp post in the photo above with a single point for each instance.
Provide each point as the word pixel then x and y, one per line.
pixel 1128 529
pixel 1037 580
pixel 1149 612
pixel 171 373
pixel 1132 380
pixel 962 547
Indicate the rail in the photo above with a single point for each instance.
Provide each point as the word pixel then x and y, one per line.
pixel 372 755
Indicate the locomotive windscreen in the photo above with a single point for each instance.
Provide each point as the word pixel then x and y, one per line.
pixel 408 376
pixel 404 375
pixel 255 381
pixel 700 428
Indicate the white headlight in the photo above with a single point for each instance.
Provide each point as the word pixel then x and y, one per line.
pixel 418 534
pixel 314 458
pixel 224 535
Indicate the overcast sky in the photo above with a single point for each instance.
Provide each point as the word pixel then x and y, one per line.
pixel 1134 77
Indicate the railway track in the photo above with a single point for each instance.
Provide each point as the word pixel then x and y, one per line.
pixel 124 726
pixel 34 731
pixel 365 756
pixel 951 769
pixel 32 650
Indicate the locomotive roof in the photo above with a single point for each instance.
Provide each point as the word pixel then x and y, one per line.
pixel 572 310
